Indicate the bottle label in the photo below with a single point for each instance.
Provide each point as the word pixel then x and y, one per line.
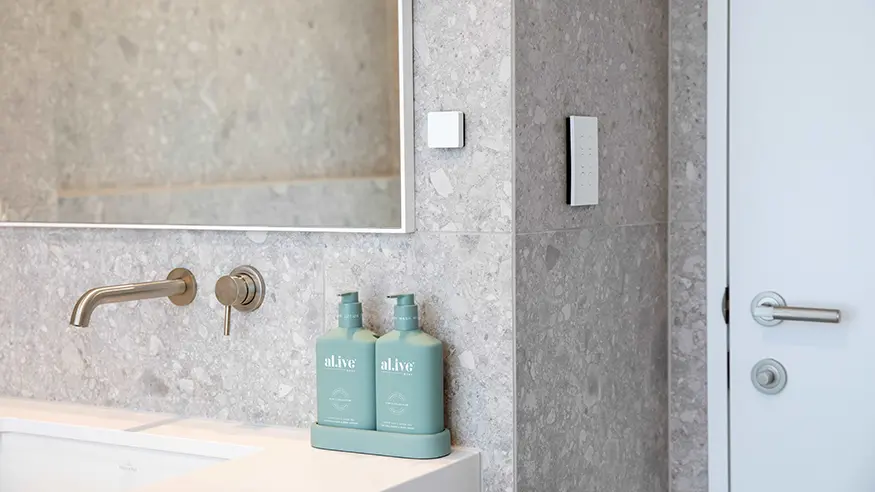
pixel 340 399
pixel 338 363
pixel 386 425
pixel 397 405
pixel 397 366
pixel 342 421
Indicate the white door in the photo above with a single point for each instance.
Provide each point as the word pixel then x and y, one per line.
pixel 802 224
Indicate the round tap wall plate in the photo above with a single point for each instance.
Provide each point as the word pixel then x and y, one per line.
pixel 190 293
pixel 260 287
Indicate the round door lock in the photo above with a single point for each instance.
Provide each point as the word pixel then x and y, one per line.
pixel 769 377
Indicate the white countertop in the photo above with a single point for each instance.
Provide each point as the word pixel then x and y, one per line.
pixel 285 460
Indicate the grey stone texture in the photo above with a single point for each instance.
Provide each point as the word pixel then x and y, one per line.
pixel 591 359
pixel 603 59
pixel 688 425
pixel 687 127
pixel 591 305
pixel 687 119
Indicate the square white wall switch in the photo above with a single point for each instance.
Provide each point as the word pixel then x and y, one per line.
pixel 446 130
pixel 583 161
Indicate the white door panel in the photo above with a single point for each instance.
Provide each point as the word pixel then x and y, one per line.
pixel 802 223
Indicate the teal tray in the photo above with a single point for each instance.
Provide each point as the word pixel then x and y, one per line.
pixel 415 446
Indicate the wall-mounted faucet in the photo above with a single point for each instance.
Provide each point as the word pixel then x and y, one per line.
pixel 180 287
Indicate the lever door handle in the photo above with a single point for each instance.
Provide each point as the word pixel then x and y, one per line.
pixel 770 309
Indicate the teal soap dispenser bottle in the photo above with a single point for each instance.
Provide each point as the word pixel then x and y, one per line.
pixel 410 375
pixel 345 370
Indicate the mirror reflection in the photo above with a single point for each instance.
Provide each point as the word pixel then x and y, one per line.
pixel 201 112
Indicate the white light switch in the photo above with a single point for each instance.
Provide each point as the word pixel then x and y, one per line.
pixel 446 130
pixel 583 161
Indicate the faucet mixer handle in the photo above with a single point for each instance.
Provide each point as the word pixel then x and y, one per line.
pixel 243 290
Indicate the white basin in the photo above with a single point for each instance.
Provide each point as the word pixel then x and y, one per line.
pixel 37 456
pixel 56 446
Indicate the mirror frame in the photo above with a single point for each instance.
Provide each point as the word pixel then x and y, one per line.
pixel 405 120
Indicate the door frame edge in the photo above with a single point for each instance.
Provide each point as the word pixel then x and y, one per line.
pixel 717 227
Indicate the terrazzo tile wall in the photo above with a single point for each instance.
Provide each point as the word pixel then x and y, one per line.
pixel 687 233
pixel 591 310
pixel 151 355
pixel 591 314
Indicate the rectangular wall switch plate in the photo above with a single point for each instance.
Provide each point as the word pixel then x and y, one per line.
pixel 446 130
pixel 583 161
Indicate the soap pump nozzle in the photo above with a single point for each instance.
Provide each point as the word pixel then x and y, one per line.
pixel 349 312
pixel 406 312
pixel 404 299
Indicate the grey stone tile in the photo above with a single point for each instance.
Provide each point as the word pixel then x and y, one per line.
pixel 463 286
pixel 689 371
pixel 462 62
pixel 688 377
pixel 10 318
pixel 151 355
pixel 591 360
pixel 688 109
pixel 601 59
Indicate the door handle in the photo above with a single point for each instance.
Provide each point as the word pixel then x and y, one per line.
pixel 770 309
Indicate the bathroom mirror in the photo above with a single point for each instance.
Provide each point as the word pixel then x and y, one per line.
pixel 207 114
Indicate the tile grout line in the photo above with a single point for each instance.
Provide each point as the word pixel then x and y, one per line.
pixel 669 325
pixel 599 226
pixel 514 261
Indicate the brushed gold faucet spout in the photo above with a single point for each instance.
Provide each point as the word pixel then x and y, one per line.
pixel 180 287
